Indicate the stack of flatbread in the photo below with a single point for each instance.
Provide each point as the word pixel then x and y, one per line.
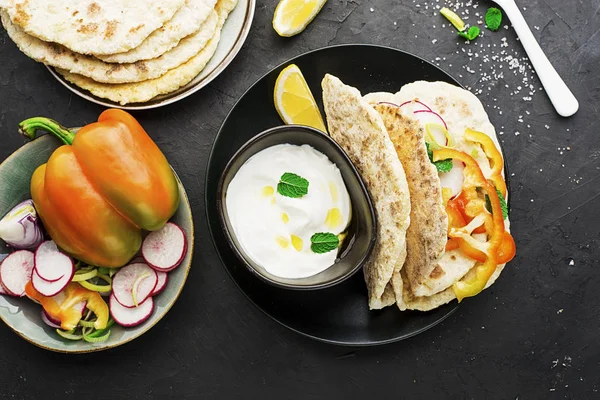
pixel 385 137
pixel 121 50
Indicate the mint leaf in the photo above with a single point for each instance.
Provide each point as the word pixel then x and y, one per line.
pixel 442 165
pixel 503 204
pixel 493 19
pixel 471 34
pixel 324 242
pixel 292 185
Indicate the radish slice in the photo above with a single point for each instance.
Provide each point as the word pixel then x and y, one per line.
pixel 124 281
pixel 15 272
pixel 453 179
pixel 165 249
pixel 163 279
pixel 423 112
pixel 2 289
pixel 51 322
pixel 125 316
pixel 50 289
pixel 52 265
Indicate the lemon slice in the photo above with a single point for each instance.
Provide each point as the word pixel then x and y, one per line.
pixel 293 16
pixel 453 18
pixel 294 101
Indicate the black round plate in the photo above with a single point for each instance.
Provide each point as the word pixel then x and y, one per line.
pixel 338 315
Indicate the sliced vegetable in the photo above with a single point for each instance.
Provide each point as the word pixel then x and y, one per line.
pixel 475 209
pixel 50 264
pixel 98 287
pixel 125 279
pixel 454 19
pixel 15 272
pixel 507 250
pixel 442 165
pixel 83 275
pixel 437 136
pixel 49 289
pixel 66 306
pixel 494 156
pixel 70 335
pixel 20 228
pixel 165 249
pixel 98 338
pixel 163 279
pixel 136 285
pixel 125 316
pixel 423 112
pixel 51 322
pixel 453 180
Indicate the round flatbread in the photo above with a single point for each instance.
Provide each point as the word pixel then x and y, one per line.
pixel 359 130
pixel 186 21
pixel 92 26
pixel 127 93
pixel 60 57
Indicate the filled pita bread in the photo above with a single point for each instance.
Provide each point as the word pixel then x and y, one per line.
pixel 359 130
pixel 430 271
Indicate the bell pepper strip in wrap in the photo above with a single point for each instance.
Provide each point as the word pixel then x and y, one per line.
pixel 60 307
pixel 98 192
pixel 455 220
pixel 474 180
pixel 493 155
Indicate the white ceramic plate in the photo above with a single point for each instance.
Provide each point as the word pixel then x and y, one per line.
pixel 234 34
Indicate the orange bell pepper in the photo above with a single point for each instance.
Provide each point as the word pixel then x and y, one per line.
pixel 474 179
pixel 455 220
pixel 98 191
pixel 61 306
pixel 507 250
pixel 493 155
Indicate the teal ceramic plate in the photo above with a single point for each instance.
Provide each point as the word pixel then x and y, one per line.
pixel 23 315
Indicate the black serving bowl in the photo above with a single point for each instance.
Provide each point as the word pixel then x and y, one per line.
pixel 362 231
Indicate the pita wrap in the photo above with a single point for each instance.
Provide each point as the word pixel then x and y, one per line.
pixel 91 26
pixel 359 130
pixel 186 21
pixel 428 279
pixel 427 234
pixel 60 57
pixel 127 93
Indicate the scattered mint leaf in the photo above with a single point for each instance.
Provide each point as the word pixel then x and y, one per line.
pixel 292 185
pixel 442 165
pixel 493 18
pixel 471 34
pixel 503 204
pixel 324 242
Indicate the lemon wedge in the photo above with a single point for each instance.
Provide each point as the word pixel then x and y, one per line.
pixel 454 19
pixel 293 16
pixel 294 101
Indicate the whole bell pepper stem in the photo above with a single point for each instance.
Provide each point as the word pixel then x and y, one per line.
pixel 29 128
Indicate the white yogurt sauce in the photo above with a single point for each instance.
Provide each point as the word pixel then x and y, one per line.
pixel 274 230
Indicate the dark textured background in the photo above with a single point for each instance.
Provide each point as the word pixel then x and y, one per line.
pixel 533 335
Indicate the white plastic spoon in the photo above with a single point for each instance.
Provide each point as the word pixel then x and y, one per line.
pixel 561 97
